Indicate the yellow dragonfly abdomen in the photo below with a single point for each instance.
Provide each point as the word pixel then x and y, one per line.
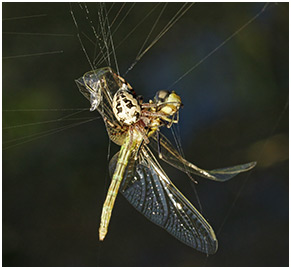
pixel 131 144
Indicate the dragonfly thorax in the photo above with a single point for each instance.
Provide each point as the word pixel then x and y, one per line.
pixel 125 106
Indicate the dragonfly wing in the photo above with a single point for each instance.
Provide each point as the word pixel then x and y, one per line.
pixel 99 87
pixel 224 174
pixel 171 156
pixel 150 191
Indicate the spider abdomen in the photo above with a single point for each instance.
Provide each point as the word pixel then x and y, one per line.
pixel 125 107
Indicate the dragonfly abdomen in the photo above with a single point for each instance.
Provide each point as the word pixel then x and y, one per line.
pixel 108 205
pixel 126 151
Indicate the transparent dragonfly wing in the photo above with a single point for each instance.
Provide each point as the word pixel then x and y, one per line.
pixel 99 87
pixel 172 157
pixel 150 191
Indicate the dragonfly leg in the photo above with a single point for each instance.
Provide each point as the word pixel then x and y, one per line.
pixel 109 122
pixel 159 145
pixel 143 132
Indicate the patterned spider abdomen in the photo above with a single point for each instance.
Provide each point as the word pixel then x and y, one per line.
pixel 125 106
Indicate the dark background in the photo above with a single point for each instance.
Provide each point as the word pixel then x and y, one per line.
pixel 235 111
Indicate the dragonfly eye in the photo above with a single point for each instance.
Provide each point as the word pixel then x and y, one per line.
pixel 161 96
pixel 167 102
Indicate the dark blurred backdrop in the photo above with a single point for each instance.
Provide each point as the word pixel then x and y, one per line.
pixel 235 111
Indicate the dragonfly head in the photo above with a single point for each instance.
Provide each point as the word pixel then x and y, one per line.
pixel 168 102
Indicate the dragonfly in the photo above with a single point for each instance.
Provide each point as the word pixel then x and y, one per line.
pixel 135 171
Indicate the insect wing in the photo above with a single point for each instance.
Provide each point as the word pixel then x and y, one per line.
pixel 99 87
pixel 171 156
pixel 150 191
